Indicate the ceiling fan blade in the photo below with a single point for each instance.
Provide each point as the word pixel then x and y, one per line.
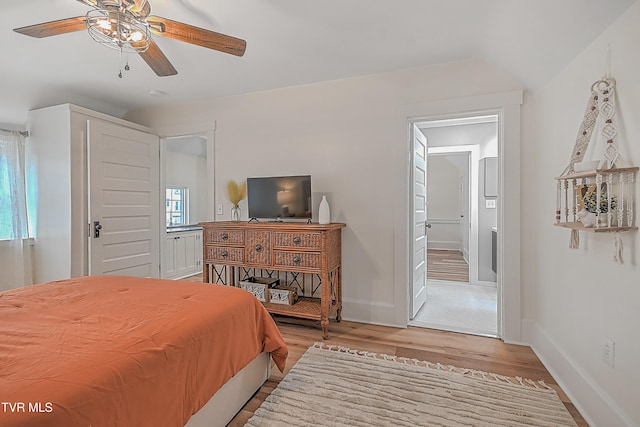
pixel 198 36
pixel 159 63
pixel 54 28
pixel 141 7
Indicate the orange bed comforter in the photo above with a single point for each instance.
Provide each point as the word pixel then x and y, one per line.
pixel 124 351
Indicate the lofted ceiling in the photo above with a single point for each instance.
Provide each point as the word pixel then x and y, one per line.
pixel 289 42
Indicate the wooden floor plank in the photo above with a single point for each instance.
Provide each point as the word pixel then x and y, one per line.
pixel 447 265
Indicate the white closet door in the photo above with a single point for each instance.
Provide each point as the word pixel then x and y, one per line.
pixel 419 217
pixel 124 207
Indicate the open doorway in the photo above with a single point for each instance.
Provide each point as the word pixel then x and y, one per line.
pixel 184 195
pixel 461 212
pixel 185 179
pixel 448 243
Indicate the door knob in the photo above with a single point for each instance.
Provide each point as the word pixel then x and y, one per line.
pixel 96 229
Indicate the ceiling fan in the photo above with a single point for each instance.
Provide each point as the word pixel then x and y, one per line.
pixel 126 25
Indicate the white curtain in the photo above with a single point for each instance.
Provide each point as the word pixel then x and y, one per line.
pixel 15 251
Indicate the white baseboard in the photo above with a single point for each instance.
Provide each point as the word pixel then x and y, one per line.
pixel 465 255
pixel 443 245
pixel 593 403
pixel 485 283
pixel 184 275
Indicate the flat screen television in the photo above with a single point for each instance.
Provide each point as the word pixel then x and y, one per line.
pixel 279 197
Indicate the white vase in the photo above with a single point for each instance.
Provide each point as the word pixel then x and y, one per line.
pixel 324 214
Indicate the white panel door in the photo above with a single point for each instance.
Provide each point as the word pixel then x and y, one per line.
pixel 193 249
pixel 124 207
pixel 419 221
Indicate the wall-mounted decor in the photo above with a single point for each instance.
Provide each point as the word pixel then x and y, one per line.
pixel 597 195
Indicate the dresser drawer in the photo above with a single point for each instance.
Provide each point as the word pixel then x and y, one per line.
pixel 225 237
pixel 287 239
pixel 223 254
pixel 258 248
pixel 296 259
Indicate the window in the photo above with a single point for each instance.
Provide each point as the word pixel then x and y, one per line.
pixel 6 213
pixel 176 206
pixel 13 215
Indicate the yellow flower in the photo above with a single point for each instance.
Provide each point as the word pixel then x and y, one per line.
pixel 236 192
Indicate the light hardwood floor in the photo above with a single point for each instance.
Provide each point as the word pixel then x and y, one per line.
pixel 450 348
pixel 465 351
pixel 447 265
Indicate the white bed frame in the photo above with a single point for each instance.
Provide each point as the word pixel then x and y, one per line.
pixel 229 400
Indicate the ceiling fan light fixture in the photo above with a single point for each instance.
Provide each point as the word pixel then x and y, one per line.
pixel 104 24
pixel 136 36
pixel 126 26
pixel 118 29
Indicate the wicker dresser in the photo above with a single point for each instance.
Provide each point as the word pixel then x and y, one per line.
pixel 306 256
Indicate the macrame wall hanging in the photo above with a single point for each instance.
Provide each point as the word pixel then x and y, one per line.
pixel 599 195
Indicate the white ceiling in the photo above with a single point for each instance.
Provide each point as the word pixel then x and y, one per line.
pixel 289 42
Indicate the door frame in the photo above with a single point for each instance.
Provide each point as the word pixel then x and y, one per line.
pixel 202 129
pixel 474 181
pixel 508 105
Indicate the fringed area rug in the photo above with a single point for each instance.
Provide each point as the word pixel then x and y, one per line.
pixel 337 386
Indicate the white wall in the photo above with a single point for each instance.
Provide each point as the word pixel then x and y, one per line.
pixel 343 133
pixel 581 296
pixel 487 219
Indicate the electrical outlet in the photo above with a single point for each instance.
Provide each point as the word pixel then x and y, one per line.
pixel 609 351
pixel 219 208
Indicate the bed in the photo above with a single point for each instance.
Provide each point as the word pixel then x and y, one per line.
pixel 124 351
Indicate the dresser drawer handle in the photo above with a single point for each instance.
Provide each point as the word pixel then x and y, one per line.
pixel 258 247
pixel 297 240
pixel 225 236
pixel 225 254
pixel 297 259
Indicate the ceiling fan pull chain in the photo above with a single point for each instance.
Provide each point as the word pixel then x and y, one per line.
pixel 120 63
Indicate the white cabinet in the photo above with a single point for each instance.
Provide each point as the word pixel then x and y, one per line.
pixel 59 192
pixel 182 254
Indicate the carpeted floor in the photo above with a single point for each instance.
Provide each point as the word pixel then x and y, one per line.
pixel 336 386
pixel 459 307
